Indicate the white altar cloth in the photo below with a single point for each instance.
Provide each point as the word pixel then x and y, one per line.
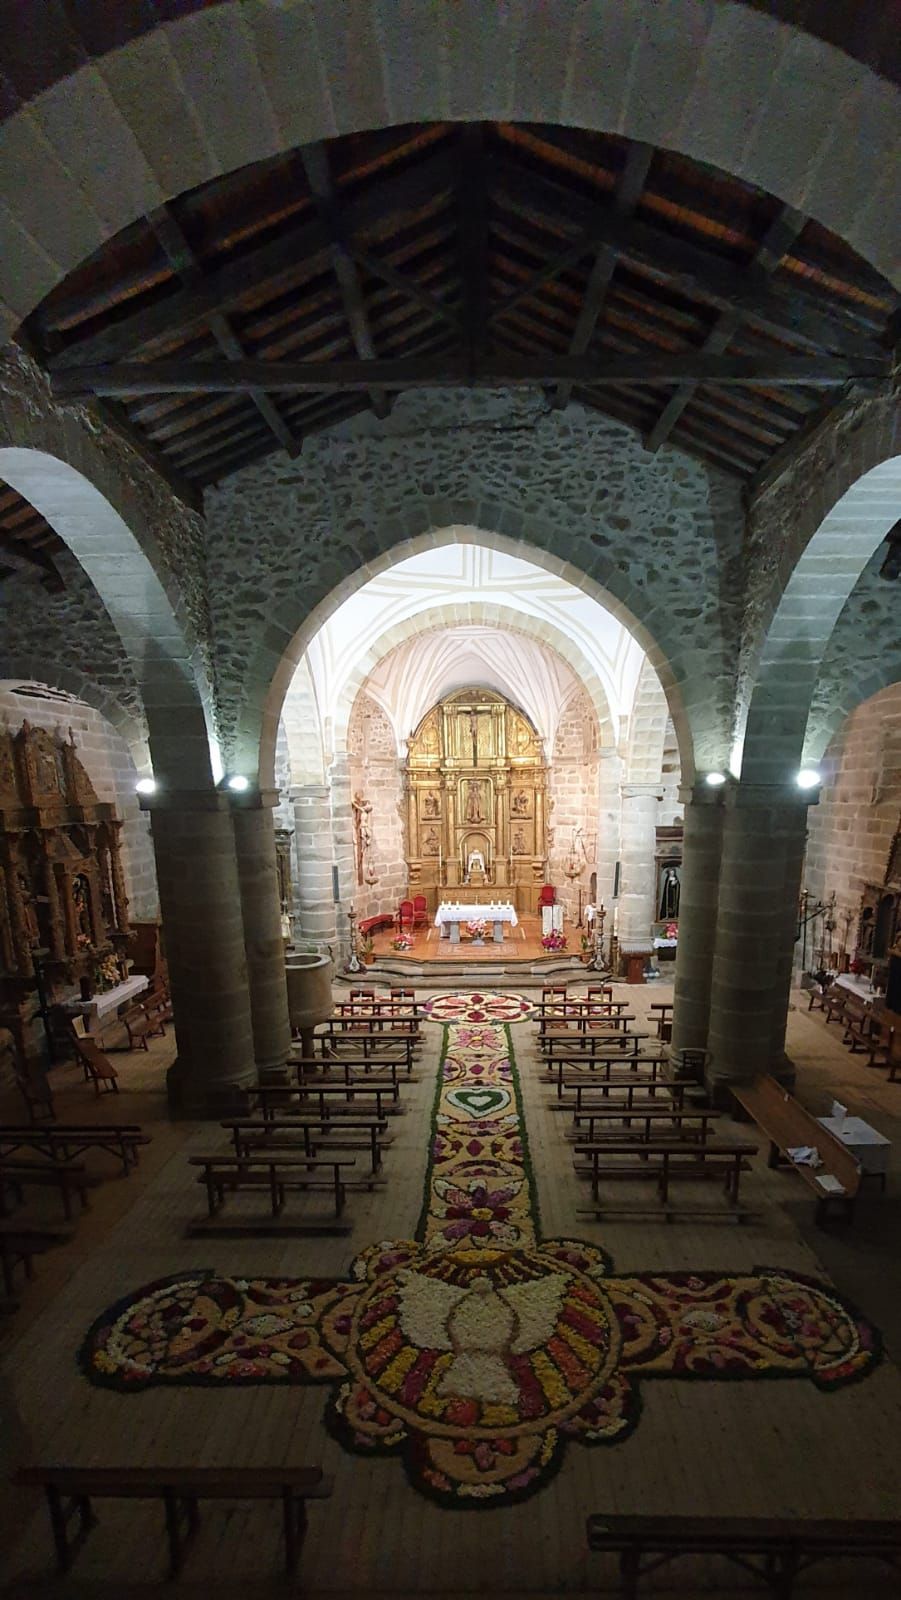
pixel 110 1000
pixel 458 911
pixel 868 1146
pixel 551 920
pixel 859 987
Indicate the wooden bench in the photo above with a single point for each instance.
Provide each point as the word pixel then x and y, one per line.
pixel 617 1087
pixel 858 1022
pixel 71 1490
pixel 67 1178
pixel 591 1044
pixel 605 1068
pixel 20 1241
pixel 252 1134
pixel 776 1549
pixel 834 1003
pixel 620 1118
pixel 67 1141
pixel 276 1174
pixel 333 1099
pixel 313 1070
pixel 98 1068
pixel 788 1126
pixel 336 1043
pixel 668 1159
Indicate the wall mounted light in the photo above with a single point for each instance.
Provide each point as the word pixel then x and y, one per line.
pixel 145 786
pixel 238 783
pixel 808 778
pixel 715 779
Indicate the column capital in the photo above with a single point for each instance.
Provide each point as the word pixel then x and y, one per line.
pixel 631 791
pixel 309 791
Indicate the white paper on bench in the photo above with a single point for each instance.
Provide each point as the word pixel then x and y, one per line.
pixel 829 1184
pixel 805 1155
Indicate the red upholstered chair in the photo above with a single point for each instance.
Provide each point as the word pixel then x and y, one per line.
pixel 420 911
pixel 547 896
pixel 404 915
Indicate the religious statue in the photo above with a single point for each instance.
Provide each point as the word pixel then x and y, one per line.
pixel 670 890
pixel 519 805
pixel 29 913
pixel 473 812
pixel 362 813
pixel 431 806
pixel 430 843
pixel 519 842
pixel 81 899
pixel 475 862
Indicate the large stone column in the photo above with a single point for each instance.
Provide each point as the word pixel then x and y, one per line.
pixel 764 835
pixel 342 836
pixel 261 914
pixel 638 842
pixel 702 845
pixel 314 854
pixel 203 928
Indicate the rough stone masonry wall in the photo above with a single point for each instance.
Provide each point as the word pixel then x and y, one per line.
pixel 111 770
pixel 851 830
pixel 376 772
pixel 573 789
pixel 863 656
pixel 662 533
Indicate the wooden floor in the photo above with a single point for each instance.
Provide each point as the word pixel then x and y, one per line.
pixel 763 1447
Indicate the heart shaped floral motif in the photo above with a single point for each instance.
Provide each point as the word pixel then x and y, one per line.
pixel 478 1102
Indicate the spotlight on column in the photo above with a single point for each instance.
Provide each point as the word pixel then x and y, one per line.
pixel 239 783
pixel 145 786
pixel 808 778
pixel 715 779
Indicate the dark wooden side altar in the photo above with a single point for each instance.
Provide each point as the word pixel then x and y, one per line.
pixel 476 796
pixel 879 919
pixel 63 906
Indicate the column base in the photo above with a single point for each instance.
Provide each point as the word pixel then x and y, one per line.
pixel 190 1097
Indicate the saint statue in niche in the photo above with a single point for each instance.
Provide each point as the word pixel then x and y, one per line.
pixel 473 812
pixel 29 913
pixel 430 805
pixel 81 899
pixel 430 843
pixel 670 890
pixel 362 814
pixel 519 842
pixel 475 862
pixel 520 804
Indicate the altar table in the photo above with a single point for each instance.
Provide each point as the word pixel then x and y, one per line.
pixel 449 917
pixel 867 1146
pixel 95 1009
pixel 859 987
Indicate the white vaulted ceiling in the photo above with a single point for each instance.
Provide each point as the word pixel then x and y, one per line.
pixel 464 614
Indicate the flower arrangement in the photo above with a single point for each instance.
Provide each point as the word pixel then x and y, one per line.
pixel 555 940
pixel 402 942
pixel 672 930
pixel 476 928
pixel 106 974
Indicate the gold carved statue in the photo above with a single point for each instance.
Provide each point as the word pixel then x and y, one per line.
pixel 519 805
pixel 431 806
pixel 473 812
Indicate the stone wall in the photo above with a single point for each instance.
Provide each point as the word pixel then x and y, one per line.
pixel 670 808
pixel 851 830
pixel 573 791
pixel 111 770
pixel 376 772
pixel 659 535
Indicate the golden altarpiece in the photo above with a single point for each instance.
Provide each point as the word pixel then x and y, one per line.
pixel 63 905
pixel 476 803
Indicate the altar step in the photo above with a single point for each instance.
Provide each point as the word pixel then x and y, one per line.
pixel 459 973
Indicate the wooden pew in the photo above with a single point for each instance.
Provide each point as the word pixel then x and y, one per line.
pixel 606 1068
pixel 253 1134
pixel 616 1120
pixel 71 1490
pixel 20 1241
pixel 857 1019
pixel 789 1126
pixel 333 1099
pixel 335 1043
pixel 276 1174
pixel 778 1549
pixel 618 1090
pixel 313 1071
pixel 667 1160
pixel 67 1141
pixel 66 1177
pixel 98 1068
pixel 592 1044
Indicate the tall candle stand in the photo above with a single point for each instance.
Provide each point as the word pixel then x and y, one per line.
pixel 354 963
pixel 598 963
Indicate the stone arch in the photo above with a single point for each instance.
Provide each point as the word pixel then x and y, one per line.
pixel 302 723
pixel 724 84
pixel 114 515
pixel 19 669
pixel 647 729
pixel 533 541
pixel 822 579
pixel 480 613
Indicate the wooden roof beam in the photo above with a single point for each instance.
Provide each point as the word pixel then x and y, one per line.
pixel 676 261
pixel 185 263
pixel 658 367
pixel 625 200
pixel 29 555
pixel 316 166
pixel 472 211
pixel 776 242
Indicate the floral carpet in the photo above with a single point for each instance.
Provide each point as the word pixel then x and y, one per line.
pixel 477 1351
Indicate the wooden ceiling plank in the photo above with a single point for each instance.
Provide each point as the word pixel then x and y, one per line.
pixel 625 199
pixel 377 268
pixel 28 555
pixel 695 270
pixel 472 213
pixel 316 166
pixel 265 264
pixel 786 227
pixel 184 262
